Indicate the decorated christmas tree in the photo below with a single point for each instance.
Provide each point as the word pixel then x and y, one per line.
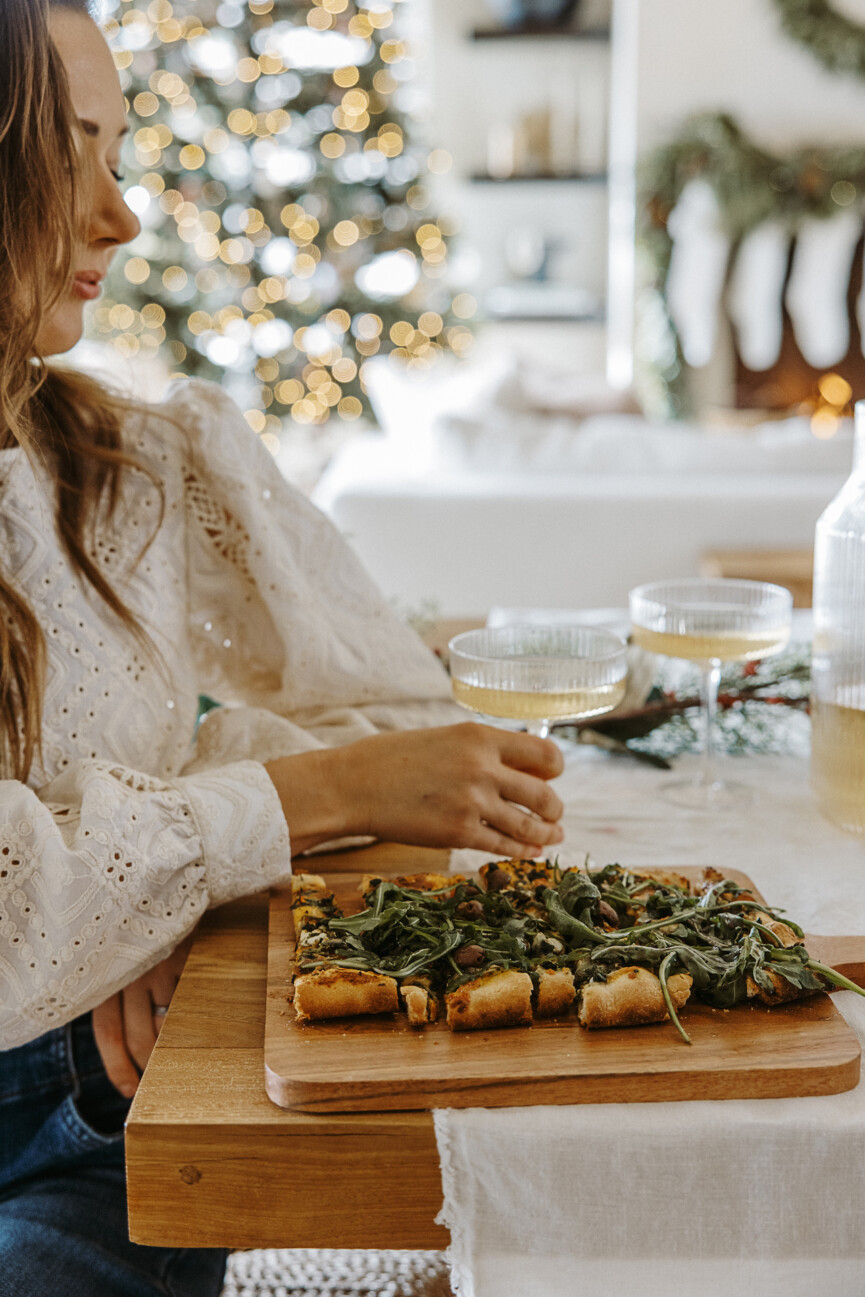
pixel 288 234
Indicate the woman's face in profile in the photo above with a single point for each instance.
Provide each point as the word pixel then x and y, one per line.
pixel 98 104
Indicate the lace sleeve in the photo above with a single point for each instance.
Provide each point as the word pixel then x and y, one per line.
pixel 107 869
pixel 283 616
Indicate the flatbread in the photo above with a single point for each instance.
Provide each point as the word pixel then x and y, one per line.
pixel 420 1004
pixel 343 992
pixel 629 997
pixel 555 992
pixel 498 998
pixel 415 882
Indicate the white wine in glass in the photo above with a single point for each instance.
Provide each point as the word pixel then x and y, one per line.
pixel 710 621
pixel 538 674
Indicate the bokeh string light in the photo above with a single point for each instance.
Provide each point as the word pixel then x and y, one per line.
pixel 287 229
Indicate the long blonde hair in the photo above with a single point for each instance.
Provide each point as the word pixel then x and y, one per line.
pixel 66 421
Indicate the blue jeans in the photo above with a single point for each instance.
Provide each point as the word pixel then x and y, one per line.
pixel 63 1227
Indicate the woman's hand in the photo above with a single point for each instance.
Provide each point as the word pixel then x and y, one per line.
pixel 463 785
pixel 126 1025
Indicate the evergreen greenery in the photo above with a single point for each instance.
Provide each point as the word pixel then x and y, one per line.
pixel 751 185
pixel 836 40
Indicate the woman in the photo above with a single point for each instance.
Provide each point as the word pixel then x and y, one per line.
pixel 147 554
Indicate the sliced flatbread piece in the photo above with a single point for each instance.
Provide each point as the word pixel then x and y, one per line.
pixel 342 993
pixel 629 997
pixel 311 901
pixel 414 882
pixel 556 992
pixel 310 914
pixel 420 1004
pixel 783 992
pixel 501 997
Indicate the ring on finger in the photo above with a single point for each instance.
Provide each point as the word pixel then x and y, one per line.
pixel 160 1010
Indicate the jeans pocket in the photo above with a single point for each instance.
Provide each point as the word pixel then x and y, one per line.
pixel 99 1109
pixel 84 1131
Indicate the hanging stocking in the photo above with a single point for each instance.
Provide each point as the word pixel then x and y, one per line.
pixel 817 291
pixel 698 265
pixel 756 294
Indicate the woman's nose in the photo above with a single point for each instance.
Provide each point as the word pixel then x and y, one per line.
pixel 111 220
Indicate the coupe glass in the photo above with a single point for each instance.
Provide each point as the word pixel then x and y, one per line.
pixel 538 674
pixel 709 622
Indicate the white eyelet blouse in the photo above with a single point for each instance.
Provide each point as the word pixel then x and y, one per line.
pixel 126 830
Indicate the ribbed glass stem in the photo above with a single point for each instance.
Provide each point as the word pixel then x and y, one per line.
pixel 710 679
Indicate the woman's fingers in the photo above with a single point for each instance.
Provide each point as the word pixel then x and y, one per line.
pixel 488 838
pixel 162 981
pixel 522 826
pixel 535 756
pixel 533 794
pixel 138 1025
pixel 111 1043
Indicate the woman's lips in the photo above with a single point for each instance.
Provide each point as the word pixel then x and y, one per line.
pixel 87 286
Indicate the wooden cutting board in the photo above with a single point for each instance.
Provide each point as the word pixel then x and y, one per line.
pixel 380 1063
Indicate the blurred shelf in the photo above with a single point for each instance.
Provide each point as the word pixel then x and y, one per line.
pixel 544 319
pixel 545 177
pixel 542 301
pixel 541 31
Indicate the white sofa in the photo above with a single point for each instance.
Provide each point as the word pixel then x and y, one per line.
pixel 501 506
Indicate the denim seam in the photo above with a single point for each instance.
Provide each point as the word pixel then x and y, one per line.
pixel 32 1091
pixel 73 1070
pixel 68 1111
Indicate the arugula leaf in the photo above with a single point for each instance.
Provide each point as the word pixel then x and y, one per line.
pixel 571 928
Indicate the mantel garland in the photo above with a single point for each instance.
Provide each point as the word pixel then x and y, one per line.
pixel 751 186
pixel 833 38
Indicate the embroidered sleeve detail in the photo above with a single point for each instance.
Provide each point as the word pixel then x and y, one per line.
pixel 242 828
pixel 105 871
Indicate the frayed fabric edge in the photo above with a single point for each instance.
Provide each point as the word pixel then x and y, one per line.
pixel 450 1216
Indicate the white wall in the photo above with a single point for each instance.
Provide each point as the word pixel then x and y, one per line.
pixel 472 85
pixel 733 56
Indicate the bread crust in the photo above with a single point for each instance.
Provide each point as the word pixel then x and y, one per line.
pixel 343 993
pixel 783 991
pixel 630 997
pixel 781 930
pixel 556 992
pixel 499 998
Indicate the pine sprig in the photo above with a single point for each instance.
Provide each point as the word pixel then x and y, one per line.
pixel 755 703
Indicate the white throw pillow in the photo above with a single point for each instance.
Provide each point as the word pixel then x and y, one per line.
pixel 407 402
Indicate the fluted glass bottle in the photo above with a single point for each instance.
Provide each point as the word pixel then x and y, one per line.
pixel 838 684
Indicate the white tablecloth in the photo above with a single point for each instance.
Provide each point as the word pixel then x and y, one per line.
pixel 758 1198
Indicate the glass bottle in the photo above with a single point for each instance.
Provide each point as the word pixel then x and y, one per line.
pixel 838 675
